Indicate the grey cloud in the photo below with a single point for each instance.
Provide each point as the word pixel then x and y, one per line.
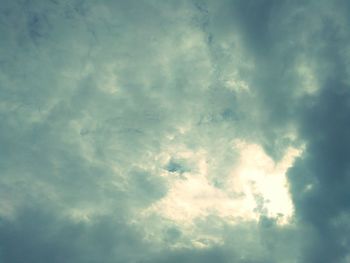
pixel 41 235
pixel 325 169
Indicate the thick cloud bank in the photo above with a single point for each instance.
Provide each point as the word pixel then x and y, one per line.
pixel 174 131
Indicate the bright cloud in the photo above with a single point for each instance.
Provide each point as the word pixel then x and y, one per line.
pixel 256 186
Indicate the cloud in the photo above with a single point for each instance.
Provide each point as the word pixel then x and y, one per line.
pixel 131 131
pixel 254 186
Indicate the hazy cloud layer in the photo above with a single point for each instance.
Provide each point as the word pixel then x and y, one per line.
pixel 174 131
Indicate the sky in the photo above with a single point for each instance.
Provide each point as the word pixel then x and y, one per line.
pixel 163 131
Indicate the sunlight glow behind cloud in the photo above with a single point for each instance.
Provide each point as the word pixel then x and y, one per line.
pixel 256 186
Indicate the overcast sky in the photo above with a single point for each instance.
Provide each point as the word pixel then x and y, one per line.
pixel 165 131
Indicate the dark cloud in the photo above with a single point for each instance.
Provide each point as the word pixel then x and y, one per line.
pixel 40 235
pixel 320 180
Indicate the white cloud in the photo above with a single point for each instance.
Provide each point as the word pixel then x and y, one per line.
pixel 255 186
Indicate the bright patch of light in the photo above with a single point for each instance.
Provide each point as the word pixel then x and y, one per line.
pixel 258 175
pixel 256 186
